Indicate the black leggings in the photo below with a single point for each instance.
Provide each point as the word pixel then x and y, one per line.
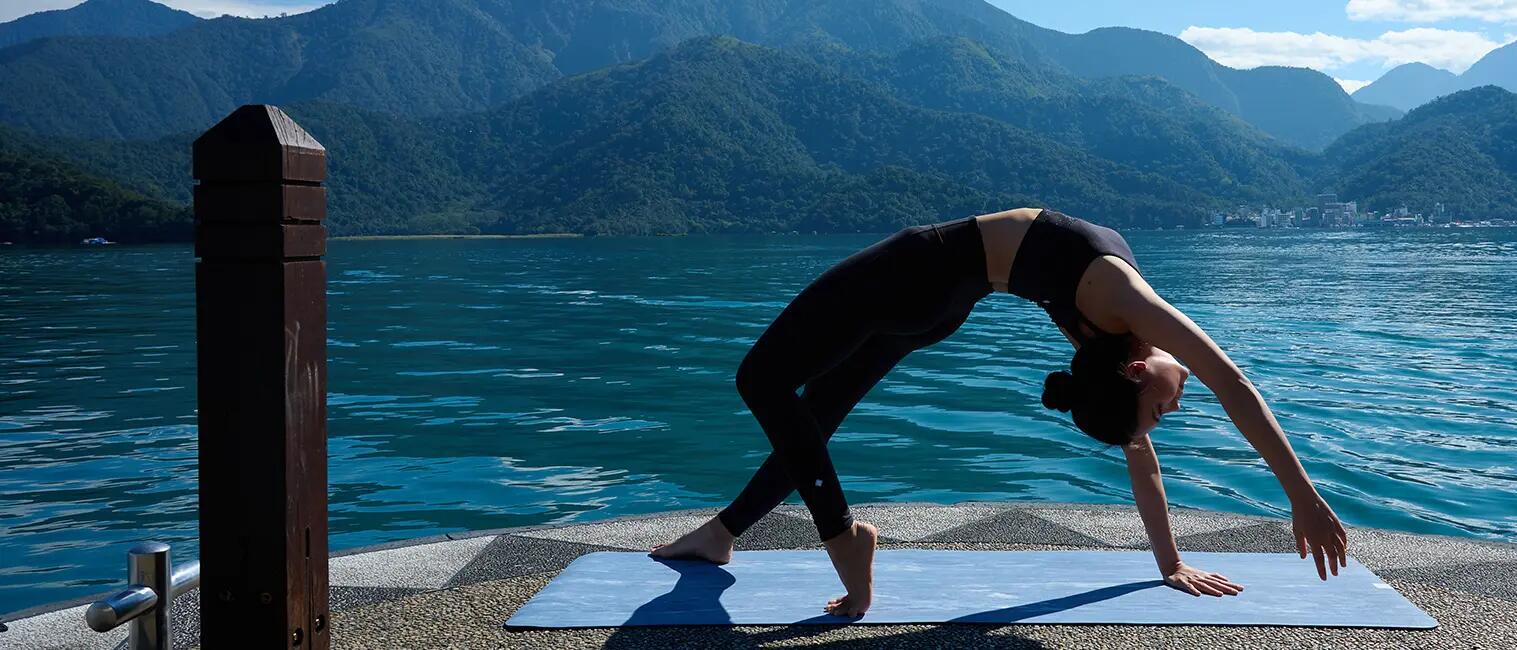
pixel 838 338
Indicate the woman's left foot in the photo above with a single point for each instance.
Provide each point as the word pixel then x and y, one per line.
pixel 852 553
pixel 711 542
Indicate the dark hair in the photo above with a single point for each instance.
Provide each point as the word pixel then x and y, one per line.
pixel 1099 392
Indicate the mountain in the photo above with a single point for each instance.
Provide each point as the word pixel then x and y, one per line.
pixel 1408 86
pixel 1141 122
pixel 44 199
pixel 1414 84
pixel 1456 150
pixel 742 136
pixel 450 56
pixel 97 18
pixel 1496 68
pixel 717 135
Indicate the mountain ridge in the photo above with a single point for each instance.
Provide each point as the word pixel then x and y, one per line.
pixel 1413 84
pixel 1455 150
pixel 134 18
pixel 466 55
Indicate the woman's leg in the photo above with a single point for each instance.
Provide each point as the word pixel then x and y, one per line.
pixel 829 397
pixel 810 337
pixel 890 287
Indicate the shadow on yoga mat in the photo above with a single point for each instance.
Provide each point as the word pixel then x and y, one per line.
pixel 620 589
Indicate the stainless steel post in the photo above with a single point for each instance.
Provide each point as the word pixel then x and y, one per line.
pixel 148 565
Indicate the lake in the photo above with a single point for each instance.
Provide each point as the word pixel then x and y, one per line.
pixel 490 383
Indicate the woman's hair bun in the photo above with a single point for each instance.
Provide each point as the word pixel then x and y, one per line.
pixel 1059 391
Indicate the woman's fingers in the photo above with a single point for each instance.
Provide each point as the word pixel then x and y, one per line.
pixel 1321 564
pixel 1228 587
pixel 1301 544
pixel 1221 585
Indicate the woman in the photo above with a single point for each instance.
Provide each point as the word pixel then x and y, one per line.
pixel 845 330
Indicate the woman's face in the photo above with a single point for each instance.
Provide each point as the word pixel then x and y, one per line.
pixel 1162 383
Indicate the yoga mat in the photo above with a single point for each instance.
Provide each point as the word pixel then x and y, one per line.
pixel 613 589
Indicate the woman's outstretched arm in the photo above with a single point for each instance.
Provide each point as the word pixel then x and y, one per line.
pixel 1148 491
pixel 1153 319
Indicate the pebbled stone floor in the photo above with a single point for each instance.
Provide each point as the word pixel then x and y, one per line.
pixel 456 591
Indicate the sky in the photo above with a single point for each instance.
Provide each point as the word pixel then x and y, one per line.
pixel 1354 41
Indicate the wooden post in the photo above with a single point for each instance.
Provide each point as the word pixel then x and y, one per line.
pixel 261 322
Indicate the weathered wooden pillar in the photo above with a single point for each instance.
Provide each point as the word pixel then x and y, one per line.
pixel 261 323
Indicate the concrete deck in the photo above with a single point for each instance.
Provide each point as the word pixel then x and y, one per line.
pixel 456 591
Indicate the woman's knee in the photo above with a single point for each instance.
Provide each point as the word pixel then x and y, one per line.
pixel 752 379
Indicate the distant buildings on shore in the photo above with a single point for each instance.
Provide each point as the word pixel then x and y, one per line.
pixel 1329 212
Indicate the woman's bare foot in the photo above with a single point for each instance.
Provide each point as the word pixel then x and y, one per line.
pixel 852 553
pixel 711 542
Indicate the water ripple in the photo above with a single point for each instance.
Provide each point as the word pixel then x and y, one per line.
pixel 485 384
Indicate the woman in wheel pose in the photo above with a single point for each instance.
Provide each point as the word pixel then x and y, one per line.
pixel 855 321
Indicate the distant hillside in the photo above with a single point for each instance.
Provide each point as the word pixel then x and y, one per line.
pixel 1457 150
pixel 1300 106
pixel 717 135
pixel 46 200
pixel 1142 122
pixel 1414 84
pixel 97 18
pixel 1498 68
pixel 448 56
pixel 1408 86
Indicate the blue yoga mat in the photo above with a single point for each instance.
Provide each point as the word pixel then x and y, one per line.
pixel 613 589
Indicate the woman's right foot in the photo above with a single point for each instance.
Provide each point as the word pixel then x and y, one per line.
pixel 852 553
pixel 711 542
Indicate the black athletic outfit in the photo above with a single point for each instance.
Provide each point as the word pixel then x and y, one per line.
pixel 1051 259
pixel 854 322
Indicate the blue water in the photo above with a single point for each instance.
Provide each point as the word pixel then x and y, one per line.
pixel 492 383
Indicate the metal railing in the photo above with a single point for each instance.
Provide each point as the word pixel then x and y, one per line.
pixel 149 600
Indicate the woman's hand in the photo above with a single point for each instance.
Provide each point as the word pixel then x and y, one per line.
pixel 1197 582
pixel 1318 529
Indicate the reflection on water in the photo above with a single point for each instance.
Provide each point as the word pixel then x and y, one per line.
pixel 484 384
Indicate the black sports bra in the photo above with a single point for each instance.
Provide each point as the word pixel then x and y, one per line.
pixel 1051 259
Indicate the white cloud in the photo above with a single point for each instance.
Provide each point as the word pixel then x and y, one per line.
pixel 1241 47
pixel 1431 11
pixel 1350 85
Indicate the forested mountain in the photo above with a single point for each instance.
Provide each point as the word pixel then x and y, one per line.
pixel 46 200
pixel 714 135
pixel 863 116
pixel 1299 106
pixel 1460 150
pixel 97 18
pixel 1408 86
pixel 718 135
pixel 446 56
pixel 1142 122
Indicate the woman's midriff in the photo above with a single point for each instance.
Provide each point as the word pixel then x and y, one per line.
pixel 1002 233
